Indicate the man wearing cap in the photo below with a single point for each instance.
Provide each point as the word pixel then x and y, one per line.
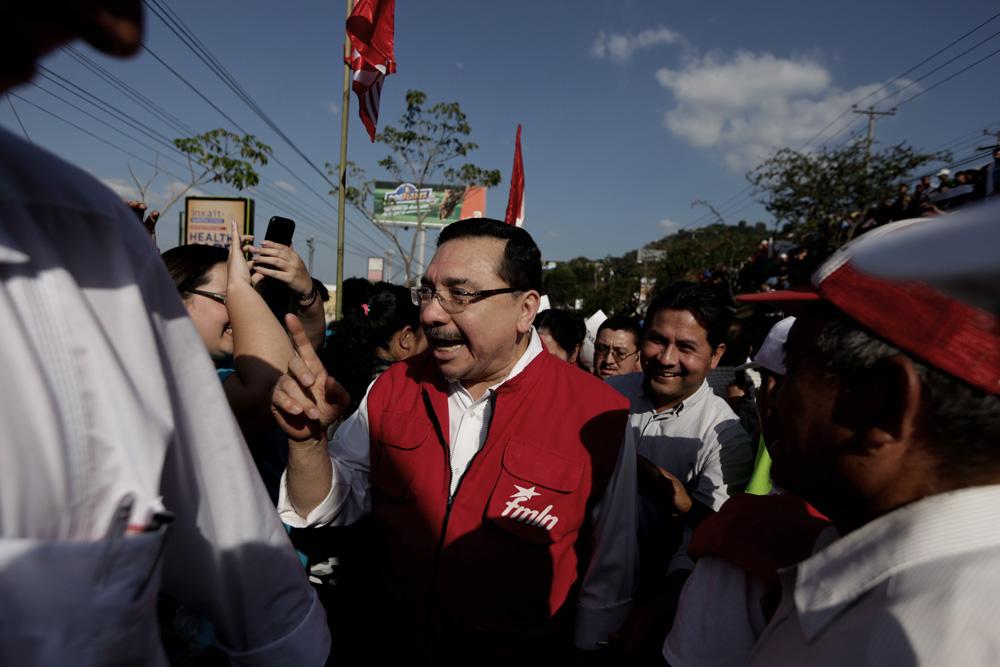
pixel 890 419
pixel 500 480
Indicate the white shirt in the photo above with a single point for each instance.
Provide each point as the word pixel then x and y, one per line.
pixel 606 592
pixel 107 390
pixel 700 441
pixel 920 585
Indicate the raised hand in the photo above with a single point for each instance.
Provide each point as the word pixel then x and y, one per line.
pixel 282 263
pixel 239 269
pixel 149 222
pixel 306 401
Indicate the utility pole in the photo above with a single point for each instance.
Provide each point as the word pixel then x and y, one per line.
pixel 342 175
pixel 311 244
pixel 871 113
pixel 387 274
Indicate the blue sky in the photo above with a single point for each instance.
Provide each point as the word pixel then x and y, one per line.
pixel 632 110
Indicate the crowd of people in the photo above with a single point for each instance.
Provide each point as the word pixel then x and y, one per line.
pixel 804 473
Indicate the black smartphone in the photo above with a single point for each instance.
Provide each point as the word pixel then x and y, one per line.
pixel 276 293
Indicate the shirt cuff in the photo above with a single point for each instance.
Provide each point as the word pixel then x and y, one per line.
pixel 307 644
pixel 320 515
pixel 595 625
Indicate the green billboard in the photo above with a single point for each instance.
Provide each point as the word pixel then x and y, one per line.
pixel 404 203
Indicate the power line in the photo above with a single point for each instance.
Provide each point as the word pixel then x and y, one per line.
pixel 950 77
pixel 938 68
pixel 18 117
pixel 122 87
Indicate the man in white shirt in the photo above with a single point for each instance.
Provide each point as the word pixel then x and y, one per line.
pixel 115 428
pixel 890 415
pixel 693 453
pixel 501 480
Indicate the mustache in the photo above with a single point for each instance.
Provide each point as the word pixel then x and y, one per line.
pixel 441 333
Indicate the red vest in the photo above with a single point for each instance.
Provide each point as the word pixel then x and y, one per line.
pixel 506 554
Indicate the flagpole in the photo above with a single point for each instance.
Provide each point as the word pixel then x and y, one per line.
pixel 342 176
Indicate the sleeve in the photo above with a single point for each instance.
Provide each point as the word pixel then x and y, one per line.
pixel 349 498
pixel 719 617
pixel 608 585
pixel 227 556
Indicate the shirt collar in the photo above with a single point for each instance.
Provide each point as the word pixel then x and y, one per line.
pixel 533 350
pixel 697 397
pixel 939 526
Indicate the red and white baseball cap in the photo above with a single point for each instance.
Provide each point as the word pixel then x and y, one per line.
pixel 942 330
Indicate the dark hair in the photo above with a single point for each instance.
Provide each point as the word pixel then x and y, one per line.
pixel 349 354
pixel 622 323
pixel 963 422
pixel 356 291
pixel 565 327
pixel 189 265
pixel 708 306
pixel 521 266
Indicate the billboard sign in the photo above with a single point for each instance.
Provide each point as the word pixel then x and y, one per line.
pixel 406 204
pixel 207 220
pixel 376 269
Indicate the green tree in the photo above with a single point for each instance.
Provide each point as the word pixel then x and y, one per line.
pixel 217 156
pixel 820 192
pixel 427 146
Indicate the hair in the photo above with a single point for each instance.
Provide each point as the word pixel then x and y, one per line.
pixel 521 265
pixel 707 305
pixel 356 292
pixel 189 265
pixel 622 323
pixel 963 422
pixel 565 327
pixel 350 353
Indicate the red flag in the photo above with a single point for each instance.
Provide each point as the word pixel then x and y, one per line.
pixel 515 201
pixel 371 31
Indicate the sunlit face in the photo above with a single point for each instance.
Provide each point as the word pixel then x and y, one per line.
pixel 210 317
pixel 615 353
pixel 479 345
pixel 676 356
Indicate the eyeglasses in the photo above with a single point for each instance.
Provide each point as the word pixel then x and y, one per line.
pixel 616 353
pixel 214 296
pixel 454 300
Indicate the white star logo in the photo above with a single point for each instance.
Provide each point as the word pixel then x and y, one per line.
pixel 525 493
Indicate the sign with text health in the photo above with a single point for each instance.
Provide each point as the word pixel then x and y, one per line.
pixel 207 220
pixel 406 204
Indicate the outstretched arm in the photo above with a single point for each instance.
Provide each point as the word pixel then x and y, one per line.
pixel 282 263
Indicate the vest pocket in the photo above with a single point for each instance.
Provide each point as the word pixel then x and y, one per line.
pixel 538 494
pixel 395 455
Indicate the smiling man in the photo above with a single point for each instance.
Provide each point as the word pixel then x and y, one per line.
pixel 500 480
pixel 693 453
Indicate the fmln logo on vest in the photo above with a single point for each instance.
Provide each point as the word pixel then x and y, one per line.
pixel 515 510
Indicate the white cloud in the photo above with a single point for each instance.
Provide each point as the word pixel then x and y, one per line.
pixel 668 225
pixel 284 185
pixel 620 47
pixel 333 108
pixel 121 188
pixel 749 104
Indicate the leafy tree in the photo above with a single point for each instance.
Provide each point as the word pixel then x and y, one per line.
pixel 829 192
pixel 217 156
pixel 426 147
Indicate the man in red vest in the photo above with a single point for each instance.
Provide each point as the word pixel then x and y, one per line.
pixel 501 481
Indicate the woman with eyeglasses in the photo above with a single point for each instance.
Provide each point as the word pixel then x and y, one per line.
pixel 248 345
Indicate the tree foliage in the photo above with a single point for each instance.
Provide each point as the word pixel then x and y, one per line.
pixel 830 191
pixel 425 147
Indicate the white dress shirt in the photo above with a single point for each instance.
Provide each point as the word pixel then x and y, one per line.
pixel 699 441
pixel 108 393
pixel 918 586
pixel 606 592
